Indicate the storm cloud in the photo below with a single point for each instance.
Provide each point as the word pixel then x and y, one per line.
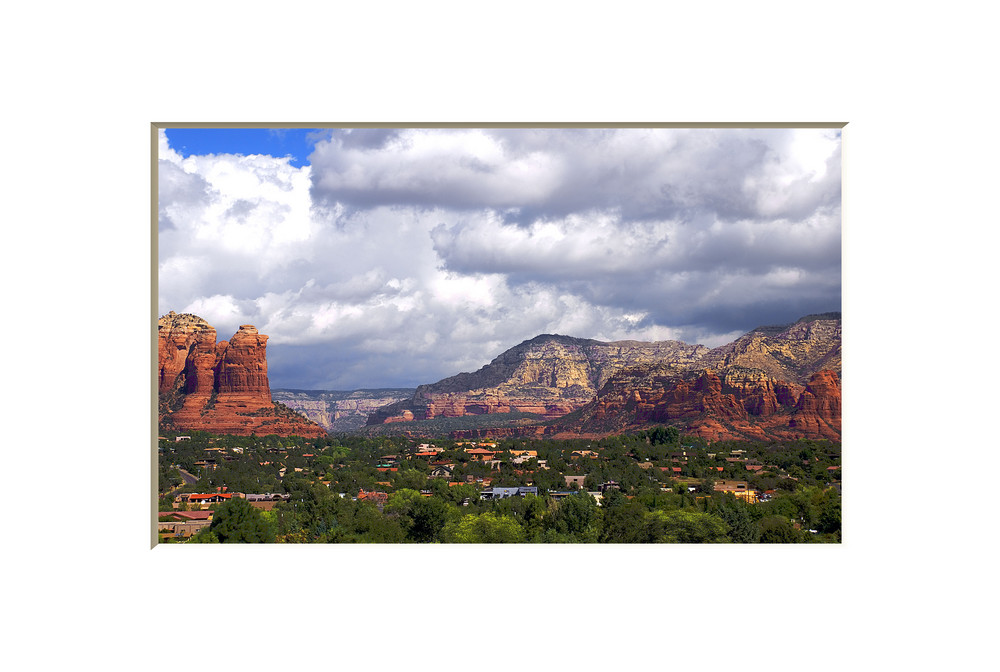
pixel 402 256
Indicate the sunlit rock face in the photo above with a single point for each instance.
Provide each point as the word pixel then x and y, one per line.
pixel 773 382
pixel 219 387
pixel 339 411
pixel 548 376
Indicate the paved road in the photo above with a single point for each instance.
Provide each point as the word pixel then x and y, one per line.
pixel 188 477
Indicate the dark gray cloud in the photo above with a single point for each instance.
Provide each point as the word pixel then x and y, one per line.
pixel 543 173
pixel 403 256
pixel 362 138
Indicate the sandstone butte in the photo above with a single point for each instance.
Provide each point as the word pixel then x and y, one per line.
pixel 778 382
pixel 219 387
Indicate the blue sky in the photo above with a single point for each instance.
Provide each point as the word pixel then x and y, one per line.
pixel 398 257
pixel 276 142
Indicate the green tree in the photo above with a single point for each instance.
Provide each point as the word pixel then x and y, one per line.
pixel 238 522
pixel 778 530
pixel 691 527
pixel 485 528
pixel 664 436
pixel 742 528
pixel 578 516
pixel 625 524
pixel 401 501
pixel 428 516
pixel 375 528
pixel 410 478
pixel 828 520
pixel 421 518
pixel 204 536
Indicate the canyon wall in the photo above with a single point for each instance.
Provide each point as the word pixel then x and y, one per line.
pixel 340 411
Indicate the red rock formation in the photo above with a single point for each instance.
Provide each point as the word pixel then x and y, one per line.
pixel 708 407
pixel 220 387
pixel 243 366
pixel 787 393
pixel 763 401
pixel 817 412
pixel 754 385
pixel 548 376
pixel 179 337
pixel 753 388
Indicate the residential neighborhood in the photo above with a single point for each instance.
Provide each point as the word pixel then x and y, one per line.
pixel 647 487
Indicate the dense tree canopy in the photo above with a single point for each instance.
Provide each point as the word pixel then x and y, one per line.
pixel 238 522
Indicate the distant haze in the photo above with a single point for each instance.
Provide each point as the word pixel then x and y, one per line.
pixel 398 257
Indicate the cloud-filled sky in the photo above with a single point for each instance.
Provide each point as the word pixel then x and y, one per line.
pixel 396 257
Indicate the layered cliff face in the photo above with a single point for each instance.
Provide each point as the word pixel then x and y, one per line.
pixel 817 411
pixel 788 352
pixel 701 404
pixel 773 382
pixel 182 337
pixel 219 387
pixel 548 376
pixel 339 411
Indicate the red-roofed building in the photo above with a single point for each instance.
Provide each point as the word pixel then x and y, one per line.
pixel 480 454
pixel 377 498
pixel 186 515
pixel 182 524
pixel 201 499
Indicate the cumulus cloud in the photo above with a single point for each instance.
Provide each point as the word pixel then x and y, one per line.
pixel 401 256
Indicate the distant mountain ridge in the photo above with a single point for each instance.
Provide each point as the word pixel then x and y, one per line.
pixel 791 352
pixel 780 380
pixel 774 382
pixel 340 410
pixel 549 375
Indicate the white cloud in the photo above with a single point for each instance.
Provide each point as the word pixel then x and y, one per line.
pixel 463 167
pixel 224 312
pixel 402 257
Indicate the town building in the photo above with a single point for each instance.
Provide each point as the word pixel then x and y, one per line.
pixel 738 488
pixel 503 493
